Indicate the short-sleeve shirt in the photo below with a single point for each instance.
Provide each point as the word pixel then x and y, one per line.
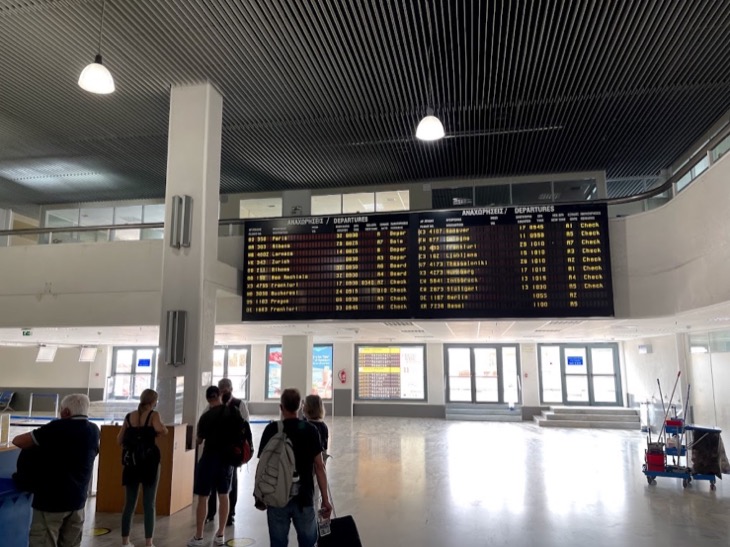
pixel 216 426
pixel 67 449
pixel 324 433
pixel 306 443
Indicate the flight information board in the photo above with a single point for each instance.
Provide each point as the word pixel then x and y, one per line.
pixel 534 261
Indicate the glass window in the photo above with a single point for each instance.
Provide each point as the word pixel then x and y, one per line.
pixel 322 362
pixel 131 214
pixel 398 200
pixel 446 198
pixel 390 372
pixel 153 213
pixel 532 193
pixel 497 194
pixel 233 363
pixel 62 218
pixel 700 167
pixel 459 374
pixel 574 190
pixel 721 149
pixel 327 205
pixel 133 371
pixel 358 203
pixel 684 181
pixel 550 376
pixel 127 215
pixel 260 208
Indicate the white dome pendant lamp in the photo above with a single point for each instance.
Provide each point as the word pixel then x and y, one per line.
pixel 430 127
pixel 96 78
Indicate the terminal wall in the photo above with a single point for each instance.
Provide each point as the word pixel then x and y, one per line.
pixel 675 258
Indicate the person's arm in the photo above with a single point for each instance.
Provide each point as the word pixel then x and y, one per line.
pixel 158 425
pixel 24 441
pixel 199 431
pixel 120 435
pixel 243 408
pixel 322 483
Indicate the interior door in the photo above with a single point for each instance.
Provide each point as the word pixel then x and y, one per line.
pixel 482 374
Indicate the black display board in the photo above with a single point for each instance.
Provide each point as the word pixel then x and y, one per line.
pixel 508 262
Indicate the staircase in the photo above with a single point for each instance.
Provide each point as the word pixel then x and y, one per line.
pixel 483 413
pixel 590 417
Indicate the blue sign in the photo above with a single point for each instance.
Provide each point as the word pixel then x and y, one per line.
pixel 575 361
pixel 144 362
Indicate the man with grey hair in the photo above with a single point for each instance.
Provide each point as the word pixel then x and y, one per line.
pixel 226 388
pixel 64 450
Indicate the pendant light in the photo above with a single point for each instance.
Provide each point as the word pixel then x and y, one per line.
pixel 96 78
pixel 430 127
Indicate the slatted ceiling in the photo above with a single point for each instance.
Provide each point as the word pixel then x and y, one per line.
pixel 328 94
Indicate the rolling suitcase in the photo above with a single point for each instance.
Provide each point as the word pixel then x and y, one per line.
pixel 343 533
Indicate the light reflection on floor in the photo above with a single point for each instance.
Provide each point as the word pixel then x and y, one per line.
pixel 435 483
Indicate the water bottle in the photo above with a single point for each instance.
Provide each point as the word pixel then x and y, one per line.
pixel 324 524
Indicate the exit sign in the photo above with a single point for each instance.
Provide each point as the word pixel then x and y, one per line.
pixel 27 332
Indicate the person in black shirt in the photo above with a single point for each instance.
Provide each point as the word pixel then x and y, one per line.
pixel 308 455
pixel 214 470
pixel 65 460
pixel 314 413
pixel 227 398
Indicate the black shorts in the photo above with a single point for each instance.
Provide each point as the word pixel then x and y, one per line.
pixel 212 475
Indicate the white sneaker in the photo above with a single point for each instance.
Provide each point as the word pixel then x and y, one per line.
pixel 196 542
pixel 220 540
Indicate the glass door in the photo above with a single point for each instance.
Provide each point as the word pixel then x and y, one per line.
pixel 575 374
pixel 482 374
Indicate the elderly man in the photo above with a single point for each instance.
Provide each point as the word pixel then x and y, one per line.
pixel 64 461
pixel 226 387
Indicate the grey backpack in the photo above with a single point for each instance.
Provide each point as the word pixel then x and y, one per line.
pixel 275 471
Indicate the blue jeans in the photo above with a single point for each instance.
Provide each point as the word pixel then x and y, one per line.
pixel 305 523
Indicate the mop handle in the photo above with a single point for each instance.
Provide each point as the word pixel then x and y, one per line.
pixel 669 407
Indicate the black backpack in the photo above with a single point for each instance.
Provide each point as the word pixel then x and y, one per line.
pixel 138 447
pixel 238 449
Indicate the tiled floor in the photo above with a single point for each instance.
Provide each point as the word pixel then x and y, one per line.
pixel 436 483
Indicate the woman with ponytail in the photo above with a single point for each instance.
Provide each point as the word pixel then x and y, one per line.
pixel 141 461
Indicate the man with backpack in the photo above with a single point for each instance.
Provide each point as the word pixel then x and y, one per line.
pixel 226 387
pixel 290 455
pixel 217 428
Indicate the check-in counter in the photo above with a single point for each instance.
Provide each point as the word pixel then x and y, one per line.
pixel 15 507
pixel 175 489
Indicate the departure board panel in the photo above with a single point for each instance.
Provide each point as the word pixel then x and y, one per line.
pixel 391 372
pixel 511 262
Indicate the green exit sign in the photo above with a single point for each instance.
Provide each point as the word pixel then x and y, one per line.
pixel 27 332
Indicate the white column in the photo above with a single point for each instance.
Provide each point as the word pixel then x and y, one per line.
pixel 296 363
pixel 193 169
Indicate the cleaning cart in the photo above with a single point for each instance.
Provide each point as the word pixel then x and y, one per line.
pixel 670 454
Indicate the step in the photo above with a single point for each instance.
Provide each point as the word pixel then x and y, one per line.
pixel 484 411
pixel 591 417
pixel 578 424
pixel 484 418
pixel 610 411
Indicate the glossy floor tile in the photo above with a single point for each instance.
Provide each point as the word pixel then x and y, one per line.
pixel 423 482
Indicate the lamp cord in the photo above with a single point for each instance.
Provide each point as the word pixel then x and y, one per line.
pixel 429 91
pixel 101 26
